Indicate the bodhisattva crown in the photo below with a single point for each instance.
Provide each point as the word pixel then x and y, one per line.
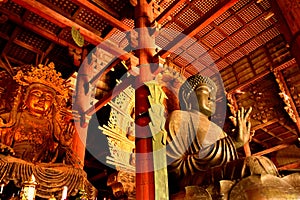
pixel 46 75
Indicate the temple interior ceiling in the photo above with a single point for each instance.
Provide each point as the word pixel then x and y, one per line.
pixel 244 42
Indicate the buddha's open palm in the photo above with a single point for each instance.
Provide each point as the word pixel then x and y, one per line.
pixel 243 126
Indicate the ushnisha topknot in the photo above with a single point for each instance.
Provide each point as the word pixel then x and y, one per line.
pixel 193 81
pixel 189 86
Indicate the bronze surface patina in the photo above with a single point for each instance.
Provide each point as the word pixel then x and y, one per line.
pixel 205 160
pixel 195 142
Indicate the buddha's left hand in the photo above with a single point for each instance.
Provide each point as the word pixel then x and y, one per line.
pixel 243 126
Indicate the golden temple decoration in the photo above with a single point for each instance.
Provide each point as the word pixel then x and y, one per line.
pixel 285 97
pixel 46 75
pixel 157 110
pixel 119 129
pixel 159 133
pixel 77 37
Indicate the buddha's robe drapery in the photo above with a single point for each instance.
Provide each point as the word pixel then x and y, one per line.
pixel 196 144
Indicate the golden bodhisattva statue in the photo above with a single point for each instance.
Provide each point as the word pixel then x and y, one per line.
pixel 34 129
pixel 36 135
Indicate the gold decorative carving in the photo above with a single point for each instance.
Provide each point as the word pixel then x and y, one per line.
pixel 283 94
pixel 46 75
pixel 77 37
pixel 122 184
pixel 157 126
pixel 157 110
pixel 120 131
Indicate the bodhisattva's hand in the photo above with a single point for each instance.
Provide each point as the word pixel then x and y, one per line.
pixel 67 135
pixel 243 126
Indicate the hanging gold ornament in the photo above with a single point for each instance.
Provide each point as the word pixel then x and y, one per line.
pixel 77 37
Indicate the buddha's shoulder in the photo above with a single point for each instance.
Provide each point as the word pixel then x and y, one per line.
pixel 179 115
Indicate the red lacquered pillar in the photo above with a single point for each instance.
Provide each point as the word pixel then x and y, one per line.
pixel 145 188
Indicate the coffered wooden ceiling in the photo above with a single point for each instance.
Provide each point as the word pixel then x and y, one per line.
pixel 243 39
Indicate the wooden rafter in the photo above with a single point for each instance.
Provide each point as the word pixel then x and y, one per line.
pixel 272 149
pixel 52 37
pixel 293 165
pixel 6 48
pixel 110 19
pixel 261 75
pixel 167 12
pixel 64 22
pixel 196 27
pixel 11 40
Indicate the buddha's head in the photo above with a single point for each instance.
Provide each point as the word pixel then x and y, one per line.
pixel 39 99
pixel 198 93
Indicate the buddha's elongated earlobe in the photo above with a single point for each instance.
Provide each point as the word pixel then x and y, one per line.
pixel 188 103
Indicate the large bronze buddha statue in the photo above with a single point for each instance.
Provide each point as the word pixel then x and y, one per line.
pixel 195 144
pixel 203 156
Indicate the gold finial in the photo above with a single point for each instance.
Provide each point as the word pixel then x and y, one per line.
pixel 46 75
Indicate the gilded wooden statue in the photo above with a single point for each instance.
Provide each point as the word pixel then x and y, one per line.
pixel 36 132
pixel 33 128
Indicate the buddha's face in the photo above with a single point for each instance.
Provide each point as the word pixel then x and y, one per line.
pixel 40 99
pixel 206 99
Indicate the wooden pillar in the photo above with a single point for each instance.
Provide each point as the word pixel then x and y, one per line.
pixel 145 188
pixel 81 104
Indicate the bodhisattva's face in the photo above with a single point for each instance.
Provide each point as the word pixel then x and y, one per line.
pixel 40 99
pixel 206 99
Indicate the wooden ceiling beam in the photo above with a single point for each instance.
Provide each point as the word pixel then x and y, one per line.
pixel 26 46
pixel 52 37
pixel 11 40
pixel 259 142
pixel 50 47
pixel 168 11
pixel 113 93
pixel 63 22
pixel 196 27
pixel 107 8
pixel 107 17
pixel 288 128
pixel 261 75
pixel 6 49
pixel 272 149
pixel 15 61
pixel 293 165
